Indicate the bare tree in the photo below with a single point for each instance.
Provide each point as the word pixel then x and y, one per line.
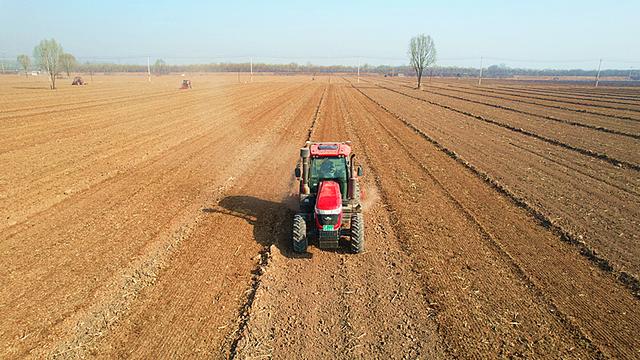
pixel 68 62
pixel 25 62
pixel 422 54
pixel 47 55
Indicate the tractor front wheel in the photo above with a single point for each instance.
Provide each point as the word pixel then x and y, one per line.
pixel 299 234
pixel 357 233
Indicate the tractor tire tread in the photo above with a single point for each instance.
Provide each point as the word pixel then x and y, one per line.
pixel 300 241
pixel 357 233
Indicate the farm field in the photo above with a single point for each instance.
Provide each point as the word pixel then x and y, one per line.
pixel 139 220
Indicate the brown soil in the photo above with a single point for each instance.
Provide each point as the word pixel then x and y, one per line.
pixel 139 220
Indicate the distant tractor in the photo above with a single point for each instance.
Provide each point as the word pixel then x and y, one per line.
pixel 78 81
pixel 330 206
pixel 186 84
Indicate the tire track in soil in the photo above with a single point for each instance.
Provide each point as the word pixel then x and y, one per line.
pixel 601 156
pixel 322 305
pixel 265 255
pixel 536 259
pixel 617 260
pixel 217 261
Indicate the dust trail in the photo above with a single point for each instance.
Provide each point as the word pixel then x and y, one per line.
pixel 370 196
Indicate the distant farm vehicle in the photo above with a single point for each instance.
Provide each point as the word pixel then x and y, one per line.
pixel 186 84
pixel 78 81
pixel 329 198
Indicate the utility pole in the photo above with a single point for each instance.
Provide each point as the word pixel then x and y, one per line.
pixel 480 78
pixel 630 71
pixel 598 74
pixel 358 70
pixel 149 69
pixel 251 69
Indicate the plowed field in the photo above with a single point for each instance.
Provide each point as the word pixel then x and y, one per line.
pixel 142 221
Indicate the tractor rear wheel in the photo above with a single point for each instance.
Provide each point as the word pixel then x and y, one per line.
pixel 299 234
pixel 357 233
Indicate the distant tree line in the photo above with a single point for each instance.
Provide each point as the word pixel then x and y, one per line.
pixel 292 68
pixel 68 64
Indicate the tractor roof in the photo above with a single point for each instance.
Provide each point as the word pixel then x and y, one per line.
pixel 330 149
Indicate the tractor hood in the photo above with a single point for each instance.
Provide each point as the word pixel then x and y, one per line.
pixel 329 199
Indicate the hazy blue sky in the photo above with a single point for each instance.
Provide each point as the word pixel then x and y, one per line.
pixel 541 34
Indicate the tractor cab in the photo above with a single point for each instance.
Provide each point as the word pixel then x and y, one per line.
pixel 328 168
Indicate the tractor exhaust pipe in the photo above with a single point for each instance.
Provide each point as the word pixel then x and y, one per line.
pixel 304 185
pixel 351 183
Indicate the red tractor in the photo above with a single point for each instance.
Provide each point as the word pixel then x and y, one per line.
pixel 330 206
pixel 186 84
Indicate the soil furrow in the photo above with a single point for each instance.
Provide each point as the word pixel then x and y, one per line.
pixel 527 264
pixel 583 151
pixel 629 280
pixel 583 111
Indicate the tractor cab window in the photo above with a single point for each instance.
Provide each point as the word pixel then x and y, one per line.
pixel 328 168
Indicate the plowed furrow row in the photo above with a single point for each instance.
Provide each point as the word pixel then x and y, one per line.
pixel 616 115
pixel 522 253
pixel 584 151
pixel 559 210
pixel 542 116
pixel 582 103
pixel 587 212
pixel 452 269
pixel 572 95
